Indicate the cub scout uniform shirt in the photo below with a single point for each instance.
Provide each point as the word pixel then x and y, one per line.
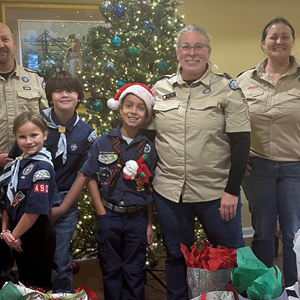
pixel 274 111
pixel 192 145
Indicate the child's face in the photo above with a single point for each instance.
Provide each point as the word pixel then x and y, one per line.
pixel 30 138
pixel 64 101
pixel 133 111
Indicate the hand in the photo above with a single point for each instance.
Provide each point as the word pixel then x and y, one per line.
pixel 4 159
pixel 12 241
pixel 150 234
pixel 228 206
pixel 248 169
pixel 55 213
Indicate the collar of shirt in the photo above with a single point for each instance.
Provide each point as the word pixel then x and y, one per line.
pixel 69 125
pixel 117 132
pixel 205 79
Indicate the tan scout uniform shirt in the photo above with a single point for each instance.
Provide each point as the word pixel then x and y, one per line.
pixel 21 92
pixel 191 142
pixel 274 112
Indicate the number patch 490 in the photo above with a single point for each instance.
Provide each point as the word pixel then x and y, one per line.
pixel 41 188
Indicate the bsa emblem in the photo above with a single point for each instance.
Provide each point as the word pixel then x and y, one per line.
pixel 206 91
pixel 233 85
pixel 74 147
pixel 25 79
pixel 28 169
pixel 147 148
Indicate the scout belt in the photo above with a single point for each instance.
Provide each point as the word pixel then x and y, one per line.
pixel 121 209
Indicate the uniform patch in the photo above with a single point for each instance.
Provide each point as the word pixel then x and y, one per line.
pixel 43 84
pixel 147 148
pixel 103 175
pixel 108 158
pixel 41 188
pixel 20 196
pixel 74 147
pixel 206 91
pixel 91 138
pixel 28 169
pixel 26 88
pixel 233 85
pixel 41 175
pixel 168 96
pixel 25 79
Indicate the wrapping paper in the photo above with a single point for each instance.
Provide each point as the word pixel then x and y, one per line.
pixel 217 295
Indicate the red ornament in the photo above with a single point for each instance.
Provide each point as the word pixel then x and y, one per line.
pixel 75 267
pixel 144 5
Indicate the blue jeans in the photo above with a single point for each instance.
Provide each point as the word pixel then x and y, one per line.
pixel 177 223
pixel 62 274
pixel 122 242
pixel 273 191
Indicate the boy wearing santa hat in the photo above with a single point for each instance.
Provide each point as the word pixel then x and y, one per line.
pixel 119 168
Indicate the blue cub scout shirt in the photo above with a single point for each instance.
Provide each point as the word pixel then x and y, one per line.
pixel 102 160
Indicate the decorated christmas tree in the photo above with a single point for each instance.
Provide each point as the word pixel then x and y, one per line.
pixel 136 43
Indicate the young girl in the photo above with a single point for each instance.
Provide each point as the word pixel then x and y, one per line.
pixel 28 191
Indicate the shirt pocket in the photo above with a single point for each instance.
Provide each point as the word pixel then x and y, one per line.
pixel 166 114
pixel 256 99
pixel 293 99
pixel 28 100
pixel 74 148
pixel 206 115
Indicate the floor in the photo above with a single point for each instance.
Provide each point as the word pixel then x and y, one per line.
pixel 90 275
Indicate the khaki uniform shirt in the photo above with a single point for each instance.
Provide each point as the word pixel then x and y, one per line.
pixel 23 91
pixel 192 145
pixel 274 112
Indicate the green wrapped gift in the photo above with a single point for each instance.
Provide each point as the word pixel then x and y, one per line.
pixel 11 292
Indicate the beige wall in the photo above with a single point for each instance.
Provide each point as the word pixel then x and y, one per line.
pixel 235 27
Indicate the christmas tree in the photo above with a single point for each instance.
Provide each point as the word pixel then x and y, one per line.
pixel 135 44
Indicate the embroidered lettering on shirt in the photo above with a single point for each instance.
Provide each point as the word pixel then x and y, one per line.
pixel 41 188
pixel 252 87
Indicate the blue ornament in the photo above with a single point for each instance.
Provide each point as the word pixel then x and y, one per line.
pixel 97 106
pixel 120 84
pixel 161 65
pixel 89 102
pixel 148 25
pixel 105 7
pixel 118 11
pixel 105 133
pixel 108 68
pixel 116 41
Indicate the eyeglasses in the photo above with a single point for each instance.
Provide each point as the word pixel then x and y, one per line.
pixel 186 48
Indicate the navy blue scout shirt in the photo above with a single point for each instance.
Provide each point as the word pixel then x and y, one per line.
pixel 123 189
pixel 32 196
pixel 79 140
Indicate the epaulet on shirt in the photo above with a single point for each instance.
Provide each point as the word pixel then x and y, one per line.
pixel 166 76
pixel 33 71
pixel 244 72
pixel 226 75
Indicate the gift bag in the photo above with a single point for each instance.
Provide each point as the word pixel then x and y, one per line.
pixel 208 269
pixel 202 281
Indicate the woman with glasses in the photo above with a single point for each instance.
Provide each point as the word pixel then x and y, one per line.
pixel 272 182
pixel 202 142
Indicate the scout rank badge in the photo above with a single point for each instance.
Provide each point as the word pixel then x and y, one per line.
pixel 19 196
pixel 107 157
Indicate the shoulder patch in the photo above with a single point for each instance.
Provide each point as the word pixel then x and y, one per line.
pixel 41 175
pixel 92 137
pixel 233 85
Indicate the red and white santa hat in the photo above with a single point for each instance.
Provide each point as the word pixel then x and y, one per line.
pixel 138 89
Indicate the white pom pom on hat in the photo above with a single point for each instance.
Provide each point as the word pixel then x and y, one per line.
pixel 138 89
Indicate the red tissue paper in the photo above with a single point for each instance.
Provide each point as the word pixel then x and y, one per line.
pixel 209 258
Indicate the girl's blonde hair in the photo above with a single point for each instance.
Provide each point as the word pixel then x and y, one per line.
pixel 34 118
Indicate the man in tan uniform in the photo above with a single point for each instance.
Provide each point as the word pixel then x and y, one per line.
pixel 20 90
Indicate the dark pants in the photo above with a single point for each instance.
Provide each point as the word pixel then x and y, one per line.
pixel 36 261
pixel 122 242
pixel 177 223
